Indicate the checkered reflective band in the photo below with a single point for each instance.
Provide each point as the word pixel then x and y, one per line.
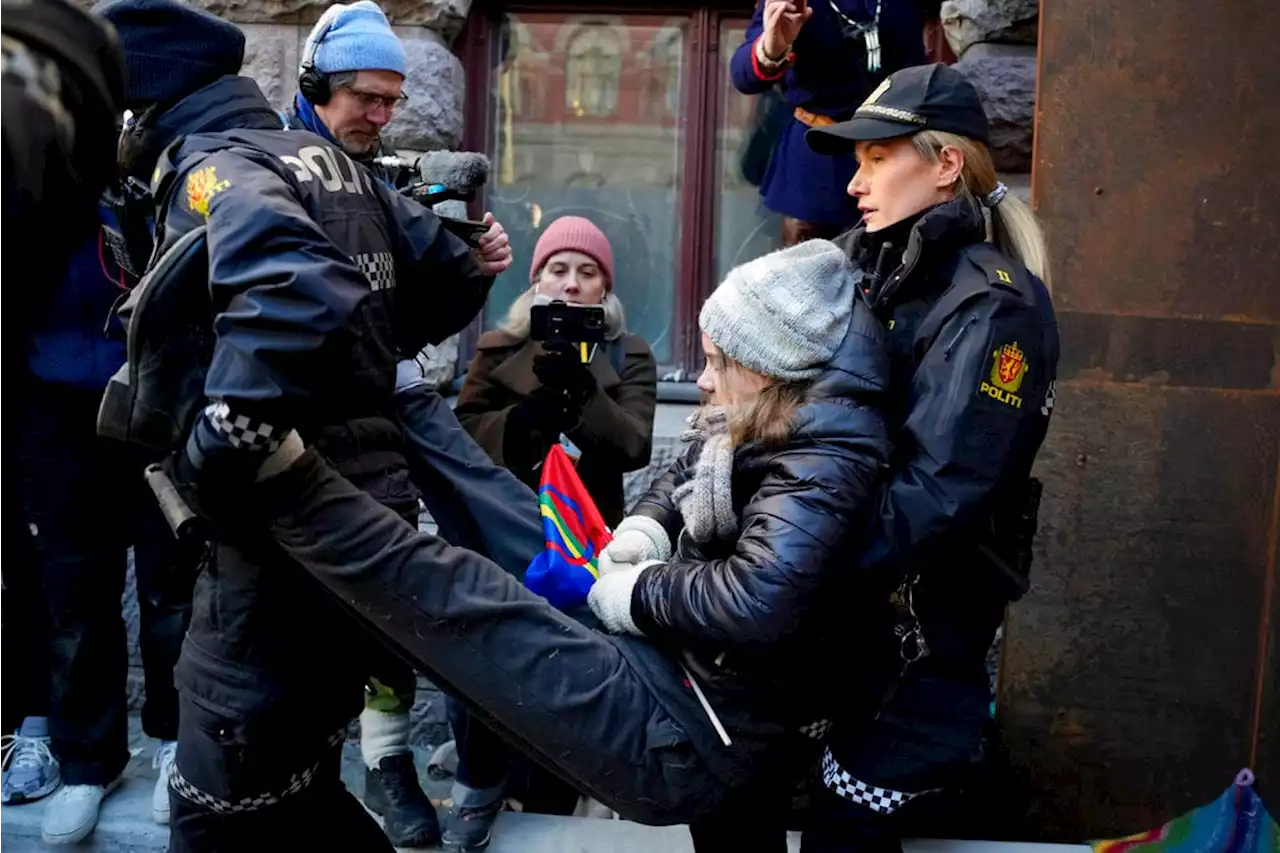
pixel 879 800
pixel 243 432
pixel 297 782
pixel 378 267
pixel 817 729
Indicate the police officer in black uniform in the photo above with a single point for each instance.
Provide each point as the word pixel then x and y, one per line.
pixel 319 279
pixel 974 352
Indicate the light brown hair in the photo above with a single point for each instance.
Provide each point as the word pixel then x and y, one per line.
pixel 769 417
pixel 1014 228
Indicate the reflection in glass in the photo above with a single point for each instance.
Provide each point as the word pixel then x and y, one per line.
pixel 572 137
pixel 592 72
pixel 744 228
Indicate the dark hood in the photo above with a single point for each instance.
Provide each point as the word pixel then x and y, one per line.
pixel 228 103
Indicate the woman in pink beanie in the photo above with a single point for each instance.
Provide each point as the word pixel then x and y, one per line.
pixel 518 400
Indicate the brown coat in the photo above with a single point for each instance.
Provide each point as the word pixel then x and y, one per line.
pixel 616 432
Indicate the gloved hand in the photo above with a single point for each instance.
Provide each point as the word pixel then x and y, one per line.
pixel 565 371
pixel 535 423
pixel 548 410
pixel 628 548
pixel 610 598
pixel 637 538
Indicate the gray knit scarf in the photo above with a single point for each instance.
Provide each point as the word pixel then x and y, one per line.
pixel 706 498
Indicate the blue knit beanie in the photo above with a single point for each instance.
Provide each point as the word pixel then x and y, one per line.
pixel 171 49
pixel 355 37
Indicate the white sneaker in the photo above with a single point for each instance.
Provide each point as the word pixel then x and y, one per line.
pixel 72 812
pixel 163 762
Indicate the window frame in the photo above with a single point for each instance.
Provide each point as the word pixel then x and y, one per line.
pixel 698 121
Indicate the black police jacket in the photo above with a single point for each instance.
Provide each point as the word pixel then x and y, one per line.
pixel 321 279
pixel 974 353
pixel 757 620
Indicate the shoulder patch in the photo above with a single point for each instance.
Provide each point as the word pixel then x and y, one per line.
pixel 1008 369
pixel 202 185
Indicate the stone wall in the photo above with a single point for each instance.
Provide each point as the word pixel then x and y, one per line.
pixel 995 43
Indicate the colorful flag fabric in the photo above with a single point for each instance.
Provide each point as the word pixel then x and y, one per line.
pixel 1236 822
pixel 574 532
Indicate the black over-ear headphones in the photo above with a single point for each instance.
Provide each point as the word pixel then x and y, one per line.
pixel 313 84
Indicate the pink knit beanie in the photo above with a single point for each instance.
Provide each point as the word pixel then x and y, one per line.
pixel 574 234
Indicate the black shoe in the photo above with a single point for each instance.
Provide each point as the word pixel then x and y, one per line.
pixel 470 828
pixel 393 793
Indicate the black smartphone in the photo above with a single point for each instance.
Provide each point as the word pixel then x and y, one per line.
pixel 468 229
pixel 560 322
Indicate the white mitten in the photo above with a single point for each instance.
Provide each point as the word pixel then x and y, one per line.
pixel 610 598
pixel 639 538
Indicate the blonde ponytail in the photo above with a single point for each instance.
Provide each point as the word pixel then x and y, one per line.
pixel 1013 228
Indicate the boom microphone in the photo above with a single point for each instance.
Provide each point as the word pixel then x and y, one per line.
pixel 442 175
pixel 459 171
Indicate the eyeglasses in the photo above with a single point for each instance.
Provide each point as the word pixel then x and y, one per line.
pixel 369 100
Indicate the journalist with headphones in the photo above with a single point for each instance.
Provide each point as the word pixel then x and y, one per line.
pixel 350 82
pixel 351 78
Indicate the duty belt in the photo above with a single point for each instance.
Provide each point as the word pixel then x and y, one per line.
pixel 813 119
pixel 296 783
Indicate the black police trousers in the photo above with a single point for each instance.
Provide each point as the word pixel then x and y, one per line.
pixel 271 674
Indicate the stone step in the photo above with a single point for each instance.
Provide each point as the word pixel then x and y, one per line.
pixel 126 826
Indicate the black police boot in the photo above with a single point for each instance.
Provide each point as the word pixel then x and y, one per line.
pixel 393 793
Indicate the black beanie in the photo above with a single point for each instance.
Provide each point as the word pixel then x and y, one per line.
pixel 171 49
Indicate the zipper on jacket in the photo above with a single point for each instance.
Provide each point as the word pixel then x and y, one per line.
pixel 951 347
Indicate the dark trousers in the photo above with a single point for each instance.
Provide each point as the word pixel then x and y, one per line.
pixel 491 768
pixel 270 677
pixel 24 626
pixel 757 815
pixel 86 502
pixel 483 507
pixel 612 716
pixel 320 815
pixel 837 825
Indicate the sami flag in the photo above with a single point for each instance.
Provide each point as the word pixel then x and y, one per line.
pixel 574 534
pixel 1236 822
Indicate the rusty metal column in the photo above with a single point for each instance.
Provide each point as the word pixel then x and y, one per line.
pixel 1142 673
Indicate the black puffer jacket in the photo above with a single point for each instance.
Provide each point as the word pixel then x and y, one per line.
pixel 757 621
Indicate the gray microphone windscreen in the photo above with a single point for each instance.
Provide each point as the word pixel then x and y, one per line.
pixel 457 170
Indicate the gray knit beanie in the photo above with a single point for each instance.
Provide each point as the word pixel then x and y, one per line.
pixel 785 314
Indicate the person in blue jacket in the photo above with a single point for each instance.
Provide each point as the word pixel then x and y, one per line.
pixel 826 56
pixel 320 279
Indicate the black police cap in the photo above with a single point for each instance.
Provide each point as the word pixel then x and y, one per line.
pixel 922 97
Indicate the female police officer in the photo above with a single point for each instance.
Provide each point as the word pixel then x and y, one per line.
pixel 956 269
